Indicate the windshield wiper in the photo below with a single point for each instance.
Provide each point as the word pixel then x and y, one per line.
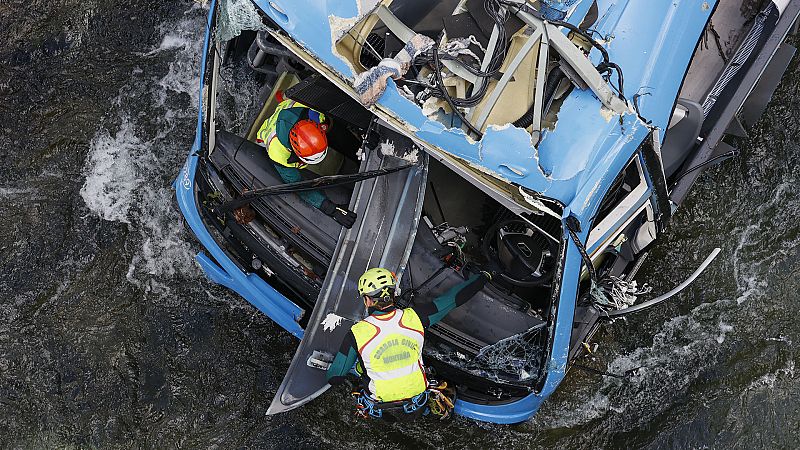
pixel 324 182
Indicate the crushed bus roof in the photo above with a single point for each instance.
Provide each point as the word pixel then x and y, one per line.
pixel 589 144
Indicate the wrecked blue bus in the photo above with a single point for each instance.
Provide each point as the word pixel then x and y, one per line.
pixel 548 140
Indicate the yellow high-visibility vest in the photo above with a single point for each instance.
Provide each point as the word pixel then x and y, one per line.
pixel 267 135
pixel 390 346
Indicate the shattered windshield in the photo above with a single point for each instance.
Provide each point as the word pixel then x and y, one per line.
pixel 517 359
pixel 235 16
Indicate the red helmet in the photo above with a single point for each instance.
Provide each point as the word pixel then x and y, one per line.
pixel 309 141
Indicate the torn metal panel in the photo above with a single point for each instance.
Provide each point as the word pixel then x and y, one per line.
pixel 581 180
pixel 653 62
pixel 316 25
pixel 584 134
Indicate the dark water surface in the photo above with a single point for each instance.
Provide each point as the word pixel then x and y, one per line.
pixel 111 337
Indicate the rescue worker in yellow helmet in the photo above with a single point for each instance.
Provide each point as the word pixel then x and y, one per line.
pixel 295 136
pixel 387 344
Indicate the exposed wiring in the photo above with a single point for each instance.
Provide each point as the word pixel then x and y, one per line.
pixel 602 67
pixel 435 57
pixel 499 16
pixel 620 80
pixel 635 99
pixel 574 227
pixel 456 111
pixel 619 293
pixel 499 11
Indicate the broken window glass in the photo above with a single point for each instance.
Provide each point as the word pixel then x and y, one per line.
pixel 237 15
pixel 515 359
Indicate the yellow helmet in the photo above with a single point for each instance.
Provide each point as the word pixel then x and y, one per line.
pixel 377 282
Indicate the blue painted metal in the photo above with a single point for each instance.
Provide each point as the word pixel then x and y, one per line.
pixel 582 128
pixel 255 290
pixel 575 163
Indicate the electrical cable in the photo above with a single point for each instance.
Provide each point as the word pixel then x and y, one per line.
pixel 554 78
pixel 588 37
pixel 495 11
pixel 492 8
pixel 605 66
pixel 449 100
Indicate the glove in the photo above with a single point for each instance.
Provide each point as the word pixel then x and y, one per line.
pixel 339 213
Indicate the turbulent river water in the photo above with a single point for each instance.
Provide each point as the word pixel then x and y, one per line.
pixel 110 336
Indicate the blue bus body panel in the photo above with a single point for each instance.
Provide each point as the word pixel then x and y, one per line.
pixel 255 290
pixel 653 41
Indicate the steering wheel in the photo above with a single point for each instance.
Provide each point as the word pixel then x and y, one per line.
pixel 525 255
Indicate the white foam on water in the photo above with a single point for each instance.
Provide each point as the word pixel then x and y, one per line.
pixel 770 396
pixel 574 413
pixel 747 284
pixel 753 261
pixel 767 381
pixel 180 79
pixel 14 192
pixel 76 29
pixel 654 374
pixel 112 174
pixel 129 170
pixel 724 329
pixel 174 41
pixel 164 251
pixel 179 36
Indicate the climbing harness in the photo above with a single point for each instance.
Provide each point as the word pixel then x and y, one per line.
pixel 367 407
pixel 439 399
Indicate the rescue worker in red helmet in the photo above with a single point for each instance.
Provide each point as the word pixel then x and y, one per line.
pixel 387 345
pixel 295 136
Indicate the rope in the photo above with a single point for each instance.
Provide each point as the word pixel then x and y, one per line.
pixel 441 400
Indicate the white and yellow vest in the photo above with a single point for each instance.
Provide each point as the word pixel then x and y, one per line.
pixel 390 346
pixel 266 135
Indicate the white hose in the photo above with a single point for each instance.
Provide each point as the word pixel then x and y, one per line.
pixel 669 294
